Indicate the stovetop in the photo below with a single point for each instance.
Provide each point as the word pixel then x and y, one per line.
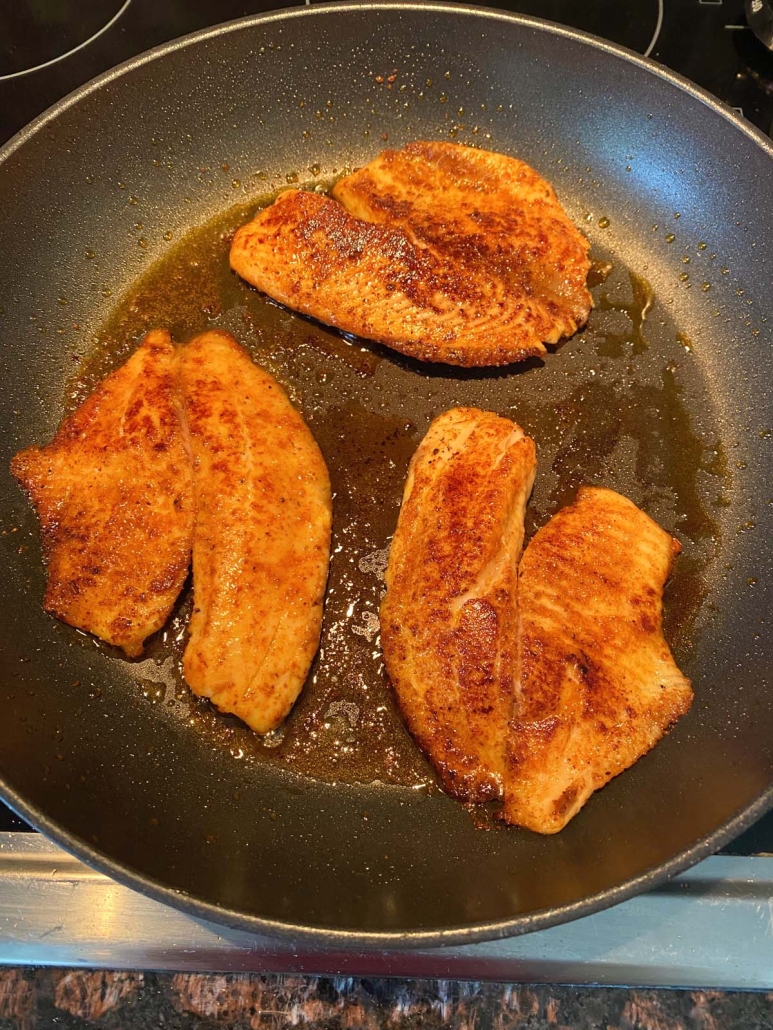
pixel 49 50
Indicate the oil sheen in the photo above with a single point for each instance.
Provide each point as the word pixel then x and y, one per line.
pixel 613 406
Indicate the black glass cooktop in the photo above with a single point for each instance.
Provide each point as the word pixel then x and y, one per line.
pixel 50 47
pixel 36 34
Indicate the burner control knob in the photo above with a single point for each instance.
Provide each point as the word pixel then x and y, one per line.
pixel 759 14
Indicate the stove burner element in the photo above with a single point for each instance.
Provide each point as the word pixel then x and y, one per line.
pixel 635 25
pixel 36 35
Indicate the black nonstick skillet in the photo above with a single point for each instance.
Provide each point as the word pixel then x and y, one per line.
pixel 333 829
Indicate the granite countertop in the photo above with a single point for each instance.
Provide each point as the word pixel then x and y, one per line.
pixel 66 998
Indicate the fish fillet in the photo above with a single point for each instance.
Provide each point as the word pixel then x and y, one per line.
pixel 114 496
pixel 262 539
pixel 448 619
pixel 443 252
pixel 598 684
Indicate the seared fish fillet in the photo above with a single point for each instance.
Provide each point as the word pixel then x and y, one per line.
pixel 448 619
pixel 262 540
pixel 114 495
pixel 443 252
pixel 598 684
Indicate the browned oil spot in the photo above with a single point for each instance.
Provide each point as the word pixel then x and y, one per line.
pixel 613 344
pixel 183 292
pixel 362 359
pixel 686 342
pixel 715 461
pixel 599 273
pixel 588 427
pixel 346 726
pixel 683 597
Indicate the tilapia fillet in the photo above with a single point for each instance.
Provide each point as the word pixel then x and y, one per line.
pixel 443 252
pixel 262 539
pixel 535 683
pixel 191 449
pixel 598 683
pixel 448 621
pixel 114 495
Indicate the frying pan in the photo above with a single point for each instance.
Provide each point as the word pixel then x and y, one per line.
pixel 665 396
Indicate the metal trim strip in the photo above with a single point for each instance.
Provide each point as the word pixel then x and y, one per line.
pixel 710 927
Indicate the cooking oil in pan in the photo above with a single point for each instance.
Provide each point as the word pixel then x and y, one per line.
pixel 612 406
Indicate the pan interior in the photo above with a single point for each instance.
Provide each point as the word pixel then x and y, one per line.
pixel 609 408
pixel 335 821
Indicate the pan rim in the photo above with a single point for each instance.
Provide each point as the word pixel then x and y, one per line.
pixel 331 7
pixel 336 937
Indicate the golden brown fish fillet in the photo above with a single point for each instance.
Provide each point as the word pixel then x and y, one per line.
pixel 114 496
pixel 598 684
pixel 262 540
pixel 448 620
pixel 444 253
